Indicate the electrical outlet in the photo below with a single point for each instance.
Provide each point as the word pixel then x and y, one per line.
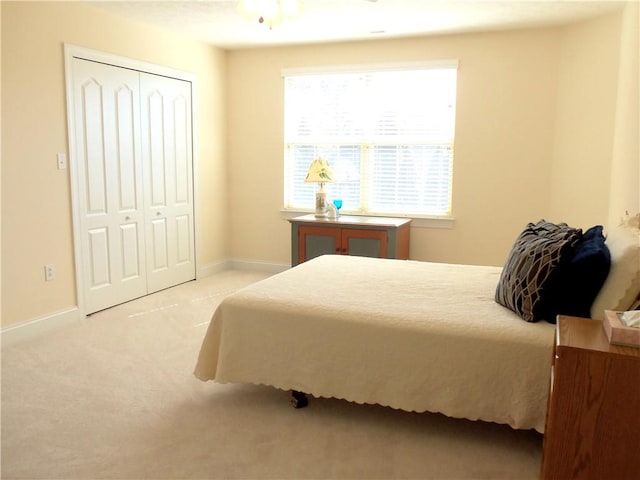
pixel 49 272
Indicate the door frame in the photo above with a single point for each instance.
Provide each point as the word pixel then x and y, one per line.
pixel 74 51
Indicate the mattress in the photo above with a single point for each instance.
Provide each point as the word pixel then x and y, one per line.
pixel 410 335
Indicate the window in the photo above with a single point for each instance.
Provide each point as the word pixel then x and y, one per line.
pixel 387 134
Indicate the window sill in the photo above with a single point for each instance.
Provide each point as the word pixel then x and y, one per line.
pixel 416 221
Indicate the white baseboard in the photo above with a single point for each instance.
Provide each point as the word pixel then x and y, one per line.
pixel 236 264
pixel 213 268
pixel 39 326
pixel 258 266
pixel 50 323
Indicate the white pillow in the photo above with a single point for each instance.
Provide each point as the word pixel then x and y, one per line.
pixel 622 285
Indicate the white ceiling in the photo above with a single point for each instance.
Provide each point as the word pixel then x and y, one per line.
pixel 219 23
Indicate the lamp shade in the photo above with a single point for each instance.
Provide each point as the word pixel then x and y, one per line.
pixel 319 172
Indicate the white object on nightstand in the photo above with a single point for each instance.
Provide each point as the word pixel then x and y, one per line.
pixel 631 319
pixel 332 211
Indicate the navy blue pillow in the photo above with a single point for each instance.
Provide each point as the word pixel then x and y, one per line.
pixel 577 279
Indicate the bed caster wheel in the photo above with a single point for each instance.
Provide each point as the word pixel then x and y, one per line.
pixel 298 399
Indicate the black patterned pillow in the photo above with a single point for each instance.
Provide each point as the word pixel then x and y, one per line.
pixel 535 254
pixel 555 231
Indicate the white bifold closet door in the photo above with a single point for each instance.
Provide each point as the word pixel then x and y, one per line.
pixel 135 182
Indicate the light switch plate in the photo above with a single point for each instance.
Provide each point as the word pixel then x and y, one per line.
pixel 62 161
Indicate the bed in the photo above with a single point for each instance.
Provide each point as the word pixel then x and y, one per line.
pixel 411 335
pixel 466 341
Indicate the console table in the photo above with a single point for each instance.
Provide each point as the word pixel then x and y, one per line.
pixel 349 235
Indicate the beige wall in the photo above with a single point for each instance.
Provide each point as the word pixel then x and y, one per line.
pixel 527 103
pixel 504 139
pixel 584 124
pixel 36 214
pixel 625 168
pixel 527 100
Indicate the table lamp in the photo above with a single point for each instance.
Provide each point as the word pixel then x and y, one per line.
pixel 320 172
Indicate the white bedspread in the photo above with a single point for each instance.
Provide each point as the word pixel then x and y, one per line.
pixel 411 335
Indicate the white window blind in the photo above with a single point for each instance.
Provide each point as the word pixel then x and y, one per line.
pixel 388 135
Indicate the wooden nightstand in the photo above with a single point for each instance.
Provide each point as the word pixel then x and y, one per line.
pixel 593 417
pixel 349 235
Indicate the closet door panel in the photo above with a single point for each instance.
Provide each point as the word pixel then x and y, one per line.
pixel 129 168
pixel 109 175
pixel 158 247
pixel 94 165
pixel 183 184
pixel 168 164
pixel 100 263
pixel 155 151
pixel 131 264
pixel 184 239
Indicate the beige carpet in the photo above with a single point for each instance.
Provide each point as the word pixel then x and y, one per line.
pixel 114 397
